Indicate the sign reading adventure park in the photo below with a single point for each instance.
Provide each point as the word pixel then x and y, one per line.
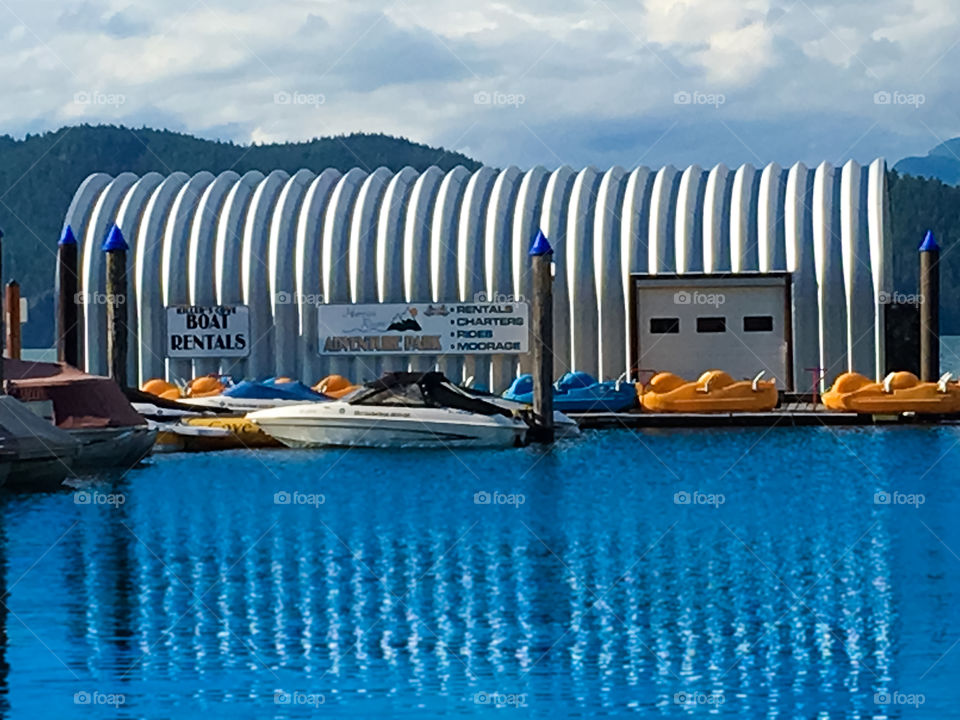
pixel 499 328
pixel 218 331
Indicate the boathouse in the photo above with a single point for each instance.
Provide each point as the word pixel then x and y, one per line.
pixel 800 256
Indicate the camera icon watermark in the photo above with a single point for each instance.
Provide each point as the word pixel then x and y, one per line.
pixel 295 697
pixel 99 298
pixel 298 498
pixel 498 498
pixel 500 700
pixel 102 99
pixel 84 697
pixel 895 97
pixel 693 297
pixel 698 698
pixel 314 100
pixel 695 97
pixel 894 497
pixel 282 297
pixel 496 298
pixel 898 298
pixel 87 497
pixel 699 498
pixel 496 98
pixel 899 698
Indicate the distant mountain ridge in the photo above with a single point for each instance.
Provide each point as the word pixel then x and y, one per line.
pixel 941 163
pixel 40 173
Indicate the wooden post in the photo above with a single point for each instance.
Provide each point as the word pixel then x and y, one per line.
pixel 116 249
pixel 929 309
pixel 68 345
pixel 3 380
pixel 13 320
pixel 542 326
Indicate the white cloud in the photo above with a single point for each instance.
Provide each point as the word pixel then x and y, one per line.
pixel 598 78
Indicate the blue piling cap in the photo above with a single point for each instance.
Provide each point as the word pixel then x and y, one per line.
pixel 68 238
pixel 115 241
pixel 540 246
pixel 929 243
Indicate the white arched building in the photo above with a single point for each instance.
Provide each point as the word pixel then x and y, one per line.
pixel 282 243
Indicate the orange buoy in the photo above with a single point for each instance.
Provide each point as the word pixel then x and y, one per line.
pixel 173 394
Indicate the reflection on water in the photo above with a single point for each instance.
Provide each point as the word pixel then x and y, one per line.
pixel 741 574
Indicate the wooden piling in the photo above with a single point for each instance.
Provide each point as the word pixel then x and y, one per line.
pixel 13 319
pixel 68 331
pixel 116 249
pixel 929 309
pixel 542 327
pixel 3 383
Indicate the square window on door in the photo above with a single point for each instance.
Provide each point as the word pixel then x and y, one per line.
pixel 758 323
pixel 711 324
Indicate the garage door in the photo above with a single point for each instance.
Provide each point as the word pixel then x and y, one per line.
pixel 739 324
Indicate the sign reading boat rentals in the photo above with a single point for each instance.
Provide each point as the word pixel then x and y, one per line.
pixel 217 331
pixel 499 328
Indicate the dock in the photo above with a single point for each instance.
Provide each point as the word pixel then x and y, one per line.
pixel 790 415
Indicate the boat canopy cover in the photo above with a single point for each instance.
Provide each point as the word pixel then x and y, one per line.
pixel 79 400
pixel 248 390
pixel 429 389
pixel 27 436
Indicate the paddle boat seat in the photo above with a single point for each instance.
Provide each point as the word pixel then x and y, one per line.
pixel 578 392
pixel 335 386
pixel 714 391
pixel 899 392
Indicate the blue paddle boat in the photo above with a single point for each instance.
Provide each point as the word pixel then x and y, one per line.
pixel 579 392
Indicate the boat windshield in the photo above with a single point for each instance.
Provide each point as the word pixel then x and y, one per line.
pixel 430 389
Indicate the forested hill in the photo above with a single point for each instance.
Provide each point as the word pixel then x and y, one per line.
pixel 39 175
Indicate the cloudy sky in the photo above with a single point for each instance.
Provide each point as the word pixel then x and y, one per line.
pixel 581 82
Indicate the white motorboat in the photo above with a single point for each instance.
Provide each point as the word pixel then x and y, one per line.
pixel 399 410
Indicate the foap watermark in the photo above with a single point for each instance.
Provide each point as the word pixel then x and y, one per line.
pixel 295 697
pixel 297 298
pixel 91 497
pixel 500 699
pixel 698 698
pixel 899 698
pixel 99 698
pixel 95 97
pixel 693 297
pixel 898 298
pixel 298 498
pixel 498 498
pixel 699 498
pixel 895 97
pixel 695 97
pixel 299 98
pixel 496 98
pixel 888 497
pixel 99 298
pixel 497 298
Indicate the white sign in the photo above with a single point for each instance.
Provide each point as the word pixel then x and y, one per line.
pixel 218 331
pixel 500 328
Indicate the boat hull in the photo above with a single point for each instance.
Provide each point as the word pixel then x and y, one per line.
pixel 111 448
pixel 342 425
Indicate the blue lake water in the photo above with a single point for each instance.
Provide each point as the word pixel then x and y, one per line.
pixel 809 573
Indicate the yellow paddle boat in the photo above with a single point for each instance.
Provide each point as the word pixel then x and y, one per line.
pixel 162 388
pixel 205 386
pixel 899 392
pixel 714 391
pixel 335 386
